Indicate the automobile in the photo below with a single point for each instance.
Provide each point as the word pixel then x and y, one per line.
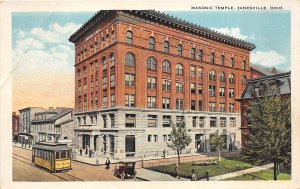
pixel 125 170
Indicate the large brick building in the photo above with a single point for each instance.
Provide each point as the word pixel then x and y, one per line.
pixel 138 71
pixel 15 126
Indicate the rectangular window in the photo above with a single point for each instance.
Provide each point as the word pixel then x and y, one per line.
pixel 193 70
pixel 152 119
pixel 166 121
pixel 223 122
pixel 201 121
pixel 129 100
pixel 129 79
pixel 200 89
pixel 179 119
pixel 231 107
pixel 151 102
pixel 166 85
pixel 165 137
pixel 200 72
pixel 222 107
pixel 231 93
pixel 200 108
pixel 112 100
pixel 112 120
pixel 232 122
pixel 130 145
pixel 194 121
pixel 112 80
pixel 179 104
pixel 213 122
pixel 104 102
pixel 155 138
pixel 166 103
pixel 222 91
pixel 104 121
pixel 130 120
pixel 151 83
pixel 179 87
pixel 104 82
pixel 193 89
pixel 149 138
pixel 212 106
pixel 193 105
pixel 212 90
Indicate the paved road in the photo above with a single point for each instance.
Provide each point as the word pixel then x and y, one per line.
pixel 24 171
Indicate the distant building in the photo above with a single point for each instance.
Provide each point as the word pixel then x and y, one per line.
pixel 15 126
pixel 282 83
pixel 26 116
pixel 53 125
pixel 261 71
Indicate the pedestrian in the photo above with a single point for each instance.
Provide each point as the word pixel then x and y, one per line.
pixel 86 150
pixel 164 153
pixel 123 174
pixel 107 163
pixel 177 169
pixel 80 151
pixel 194 176
pixel 90 152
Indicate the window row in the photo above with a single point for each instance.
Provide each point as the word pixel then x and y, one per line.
pixel 166 49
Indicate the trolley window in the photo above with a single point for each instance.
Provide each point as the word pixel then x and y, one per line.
pixel 57 155
pixel 63 154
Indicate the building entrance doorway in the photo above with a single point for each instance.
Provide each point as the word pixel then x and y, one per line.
pixel 130 145
pixel 86 141
pixel 200 142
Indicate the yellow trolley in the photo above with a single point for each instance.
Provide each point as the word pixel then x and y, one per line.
pixel 52 156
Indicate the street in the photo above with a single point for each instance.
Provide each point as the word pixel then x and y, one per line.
pixel 24 170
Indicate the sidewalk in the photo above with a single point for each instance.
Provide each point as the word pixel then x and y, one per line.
pixel 149 175
pixel 19 145
pixel 239 173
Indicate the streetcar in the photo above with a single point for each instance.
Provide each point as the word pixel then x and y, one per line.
pixel 53 157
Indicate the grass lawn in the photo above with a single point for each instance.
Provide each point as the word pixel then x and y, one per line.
pixel 225 166
pixel 262 175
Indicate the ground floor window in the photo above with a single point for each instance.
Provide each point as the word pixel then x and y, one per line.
pixel 130 145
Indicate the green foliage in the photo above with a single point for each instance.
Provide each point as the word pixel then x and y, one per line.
pixel 180 137
pixel 270 133
pixel 217 142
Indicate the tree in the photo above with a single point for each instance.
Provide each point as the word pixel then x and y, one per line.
pixel 217 142
pixel 180 138
pixel 270 133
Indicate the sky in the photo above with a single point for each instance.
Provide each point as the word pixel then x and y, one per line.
pixel 43 58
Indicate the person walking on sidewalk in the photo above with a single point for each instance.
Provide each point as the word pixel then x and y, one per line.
pixel 194 176
pixel 80 151
pixel 107 163
pixel 177 169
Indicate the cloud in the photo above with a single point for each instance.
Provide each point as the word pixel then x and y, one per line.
pixel 268 58
pixel 234 32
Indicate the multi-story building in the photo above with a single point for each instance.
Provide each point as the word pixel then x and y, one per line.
pixel 280 83
pixel 26 116
pixel 53 125
pixel 136 72
pixel 15 126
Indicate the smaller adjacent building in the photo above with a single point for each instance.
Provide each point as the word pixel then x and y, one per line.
pixel 281 82
pixel 257 71
pixel 53 125
pixel 15 126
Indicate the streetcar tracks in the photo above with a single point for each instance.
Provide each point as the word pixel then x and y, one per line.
pixel 62 175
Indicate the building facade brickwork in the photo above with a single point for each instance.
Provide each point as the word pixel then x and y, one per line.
pixel 136 72
pixel 15 126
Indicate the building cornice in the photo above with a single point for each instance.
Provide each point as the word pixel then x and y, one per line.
pixel 166 20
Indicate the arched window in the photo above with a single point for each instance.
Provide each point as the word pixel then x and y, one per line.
pixel 129 37
pixel 231 78
pixel 166 46
pixel 112 59
pixel 222 60
pixel 244 65
pixel 193 53
pixel 200 55
pixel 151 43
pixel 231 62
pixel 151 64
pixel 212 58
pixel 222 77
pixel 179 69
pixel 244 80
pixel 212 75
pixel 129 59
pixel 179 50
pixel 104 63
pixel 166 67
pixel 78 73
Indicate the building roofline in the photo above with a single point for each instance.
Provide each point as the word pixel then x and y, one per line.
pixel 269 77
pixel 166 20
